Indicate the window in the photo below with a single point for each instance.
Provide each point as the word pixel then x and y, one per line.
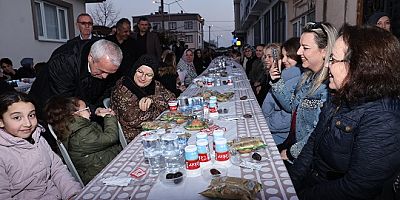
pixel 278 22
pixel 51 21
pixel 267 28
pixel 189 38
pixel 171 25
pixel 188 25
pixel 156 26
pixel 257 33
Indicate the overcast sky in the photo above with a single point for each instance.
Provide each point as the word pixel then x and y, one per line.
pixel 217 13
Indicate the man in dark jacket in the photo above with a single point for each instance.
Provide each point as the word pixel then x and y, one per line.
pixel 146 42
pixel 125 42
pixel 77 71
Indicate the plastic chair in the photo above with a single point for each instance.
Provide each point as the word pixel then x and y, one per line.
pixel 66 157
pixel 121 136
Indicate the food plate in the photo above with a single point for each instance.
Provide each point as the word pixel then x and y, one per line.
pixel 155 125
pixel 195 125
pixel 247 144
pixel 221 97
pixel 224 96
pixel 177 117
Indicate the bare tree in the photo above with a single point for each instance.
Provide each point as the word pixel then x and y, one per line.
pixel 104 14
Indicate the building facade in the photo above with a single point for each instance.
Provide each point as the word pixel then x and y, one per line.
pixel 266 21
pixel 34 28
pixel 186 27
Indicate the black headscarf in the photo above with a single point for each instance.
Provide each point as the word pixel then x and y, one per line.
pixel 374 18
pixel 129 82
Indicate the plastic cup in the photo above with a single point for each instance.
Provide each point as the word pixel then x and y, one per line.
pixel 173 105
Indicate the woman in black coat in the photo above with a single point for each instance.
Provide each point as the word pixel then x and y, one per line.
pixel 167 74
pixel 354 150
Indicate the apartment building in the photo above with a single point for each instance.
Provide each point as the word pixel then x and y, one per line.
pixel 186 27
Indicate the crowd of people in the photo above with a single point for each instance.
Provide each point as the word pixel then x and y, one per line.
pixel 331 100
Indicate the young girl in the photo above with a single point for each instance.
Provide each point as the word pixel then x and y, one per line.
pixel 29 169
pixel 89 147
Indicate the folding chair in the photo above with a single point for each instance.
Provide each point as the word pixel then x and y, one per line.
pixel 121 136
pixel 66 157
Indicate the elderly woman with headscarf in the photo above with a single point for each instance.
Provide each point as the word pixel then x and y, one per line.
pixel 137 97
pixel 185 68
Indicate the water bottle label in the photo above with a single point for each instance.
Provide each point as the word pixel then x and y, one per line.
pixel 213 109
pixel 222 156
pixel 192 164
pixel 204 157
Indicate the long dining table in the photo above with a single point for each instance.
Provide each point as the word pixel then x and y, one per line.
pixel 273 175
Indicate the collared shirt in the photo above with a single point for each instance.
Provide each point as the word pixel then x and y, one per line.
pixel 90 37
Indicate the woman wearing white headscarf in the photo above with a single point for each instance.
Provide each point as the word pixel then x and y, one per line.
pixel 185 68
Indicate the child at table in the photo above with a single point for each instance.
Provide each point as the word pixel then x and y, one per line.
pixel 29 169
pixel 89 147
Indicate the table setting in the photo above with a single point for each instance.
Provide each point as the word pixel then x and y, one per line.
pixel 209 144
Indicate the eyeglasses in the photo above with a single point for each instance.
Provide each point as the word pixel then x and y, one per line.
pixel 86 23
pixel 141 73
pixel 84 109
pixel 334 61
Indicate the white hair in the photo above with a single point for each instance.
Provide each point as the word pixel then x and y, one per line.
pixel 103 48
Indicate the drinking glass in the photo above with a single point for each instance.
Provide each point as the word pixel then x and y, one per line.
pixel 153 152
pixel 171 153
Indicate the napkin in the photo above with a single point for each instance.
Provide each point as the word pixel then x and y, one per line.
pixel 116 181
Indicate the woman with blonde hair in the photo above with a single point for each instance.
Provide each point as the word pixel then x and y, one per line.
pixel 306 101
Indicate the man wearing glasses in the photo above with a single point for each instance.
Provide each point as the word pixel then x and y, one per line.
pixel 84 23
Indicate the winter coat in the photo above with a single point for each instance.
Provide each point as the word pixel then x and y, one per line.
pixel 33 171
pixel 67 74
pixel 168 78
pixel 278 119
pixel 91 148
pixel 126 107
pixel 308 106
pixel 153 45
pixel 353 151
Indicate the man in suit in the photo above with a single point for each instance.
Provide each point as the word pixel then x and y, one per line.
pixel 146 42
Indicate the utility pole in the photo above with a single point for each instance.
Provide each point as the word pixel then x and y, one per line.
pixel 209 35
pixel 162 15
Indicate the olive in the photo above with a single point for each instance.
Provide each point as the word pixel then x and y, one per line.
pixel 214 171
pixel 178 177
pixel 170 176
pixel 178 174
pixel 256 156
